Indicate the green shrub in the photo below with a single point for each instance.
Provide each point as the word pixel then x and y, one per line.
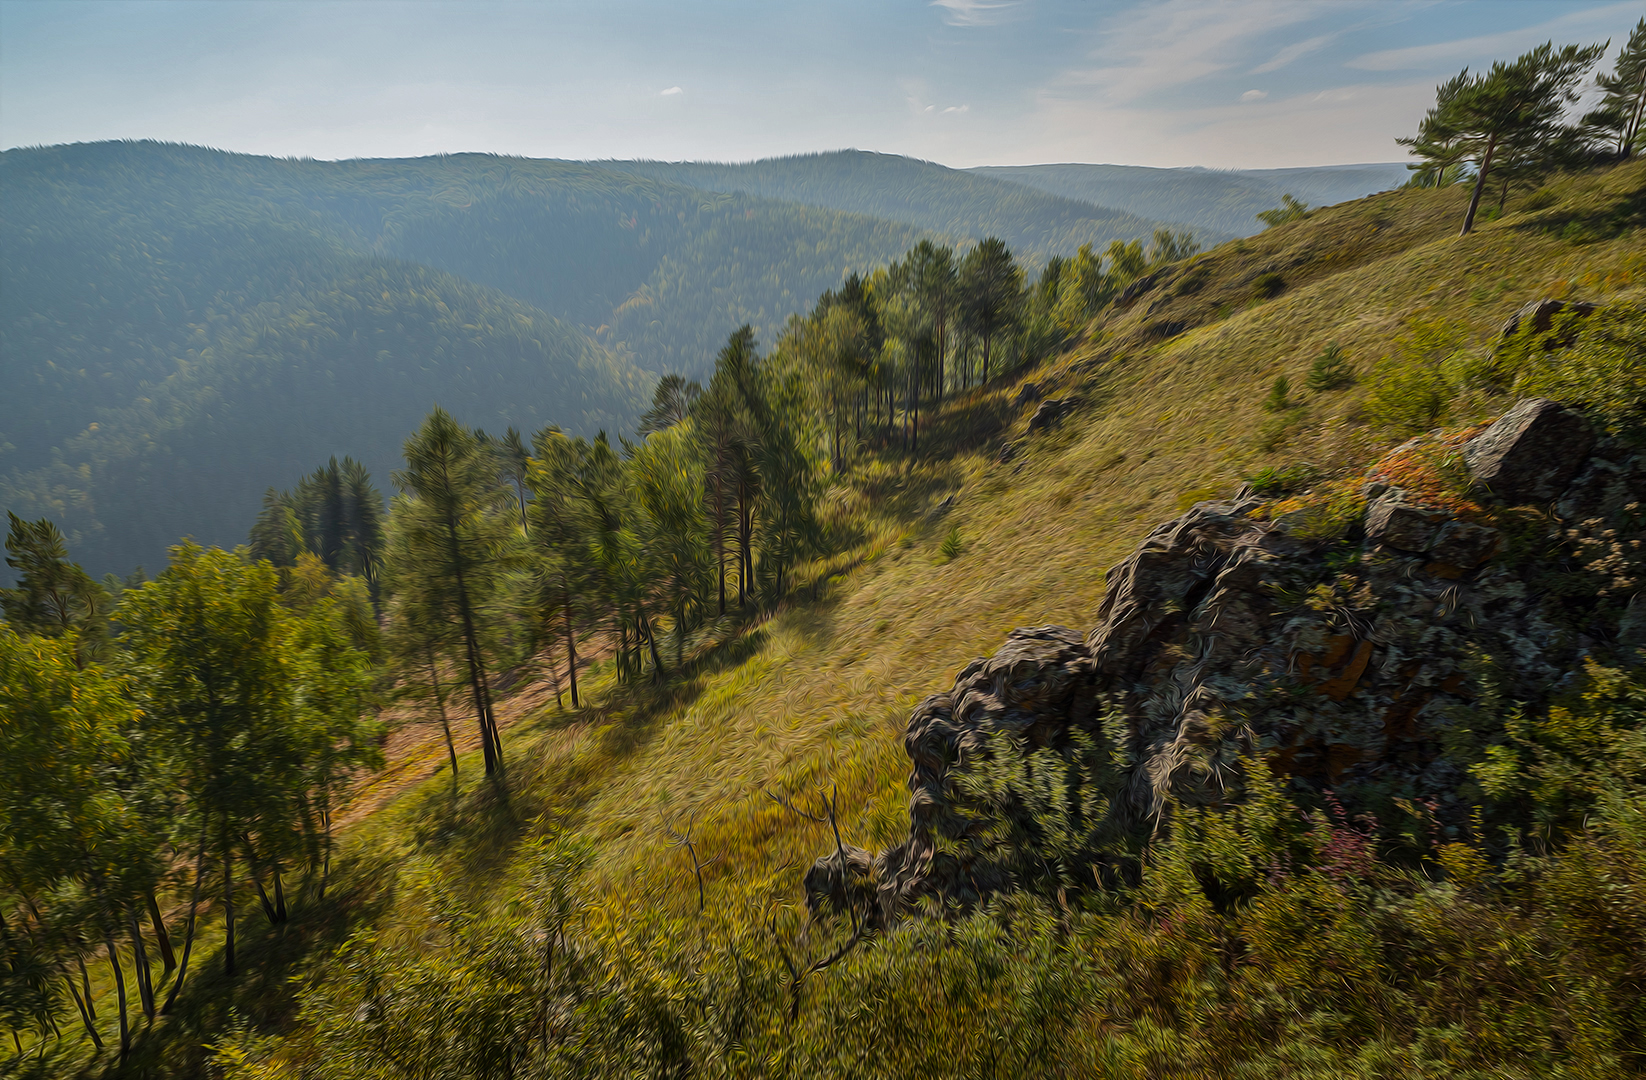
pixel 1268 286
pixel 1282 480
pixel 1597 363
pixel 1421 385
pixel 951 547
pixel 1330 371
pixel 1280 396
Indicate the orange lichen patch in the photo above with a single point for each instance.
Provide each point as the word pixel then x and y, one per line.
pixel 1418 471
pixel 1341 687
pixel 1336 649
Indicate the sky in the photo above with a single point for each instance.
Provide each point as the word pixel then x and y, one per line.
pixel 1216 83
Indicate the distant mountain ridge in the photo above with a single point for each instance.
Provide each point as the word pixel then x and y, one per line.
pixel 1034 221
pixel 1207 199
pixel 182 327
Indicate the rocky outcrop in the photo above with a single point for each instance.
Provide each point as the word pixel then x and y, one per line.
pixel 1532 453
pixel 1232 633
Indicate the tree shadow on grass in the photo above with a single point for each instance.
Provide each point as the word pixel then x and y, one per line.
pixel 1592 225
pixel 262 997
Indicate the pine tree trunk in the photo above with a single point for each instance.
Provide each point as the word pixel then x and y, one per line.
pixel 162 938
pixel 1480 186
pixel 742 546
pixel 84 1010
pixel 140 961
pixel 85 985
pixel 188 932
pixel 228 905
pixel 571 640
pixel 651 644
pixel 440 706
pixel 119 991
pixel 262 894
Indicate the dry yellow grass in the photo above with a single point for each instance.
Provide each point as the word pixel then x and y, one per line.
pixel 824 689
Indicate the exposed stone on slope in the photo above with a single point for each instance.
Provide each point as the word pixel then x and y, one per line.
pixel 1532 453
pixel 1344 663
pixel 1541 314
pixel 1050 412
pixel 1391 520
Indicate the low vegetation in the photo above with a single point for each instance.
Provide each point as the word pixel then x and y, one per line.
pixel 611 886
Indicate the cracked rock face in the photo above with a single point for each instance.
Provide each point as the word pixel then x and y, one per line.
pixel 1341 663
pixel 1532 453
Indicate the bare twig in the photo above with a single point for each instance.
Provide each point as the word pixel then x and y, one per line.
pixel 791 808
pixel 678 839
pixel 845 874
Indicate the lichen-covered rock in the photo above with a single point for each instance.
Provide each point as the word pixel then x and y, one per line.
pixel 1394 522
pixel 1031 691
pixel 1532 453
pixel 1344 662
pixel 1050 412
pixel 1540 315
pixel 1464 544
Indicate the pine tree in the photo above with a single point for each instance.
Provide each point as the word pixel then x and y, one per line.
pixel 53 596
pixel 671 403
pixel 1515 113
pixel 449 546
pixel 991 288
pixel 1623 97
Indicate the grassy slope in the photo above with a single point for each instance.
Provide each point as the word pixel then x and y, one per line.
pixel 825 695
pixel 819 692
pixel 1208 199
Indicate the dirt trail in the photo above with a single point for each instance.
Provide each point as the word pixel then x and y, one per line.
pixel 416 749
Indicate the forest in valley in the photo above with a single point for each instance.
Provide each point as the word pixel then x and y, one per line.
pixel 200 723
pixel 551 898
pixel 181 328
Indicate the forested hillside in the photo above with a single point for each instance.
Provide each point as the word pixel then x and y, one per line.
pixel 948 202
pixel 1353 726
pixel 1209 201
pixel 182 327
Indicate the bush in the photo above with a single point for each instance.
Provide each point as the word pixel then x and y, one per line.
pixel 1283 480
pixel 1597 363
pixel 1280 396
pixel 1268 286
pixel 1330 371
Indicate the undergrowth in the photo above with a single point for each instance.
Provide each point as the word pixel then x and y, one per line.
pixel 560 934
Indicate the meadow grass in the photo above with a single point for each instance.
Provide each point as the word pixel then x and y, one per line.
pixel 815 695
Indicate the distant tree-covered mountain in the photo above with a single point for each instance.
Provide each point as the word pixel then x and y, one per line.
pixel 1033 220
pixel 1208 200
pixel 182 328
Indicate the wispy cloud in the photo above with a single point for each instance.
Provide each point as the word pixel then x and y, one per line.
pixel 672 91
pixel 1293 52
pixel 1498 45
pixel 977 12
pixel 1159 46
pixel 1254 95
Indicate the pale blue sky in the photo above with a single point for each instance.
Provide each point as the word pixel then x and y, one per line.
pixel 1222 83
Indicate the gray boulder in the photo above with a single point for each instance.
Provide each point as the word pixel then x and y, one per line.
pixel 831 888
pixel 1531 453
pixel 1393 522
pixel 1465 545
pixel 1541 313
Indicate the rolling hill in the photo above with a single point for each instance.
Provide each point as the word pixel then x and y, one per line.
pixel 1210 201
pixel 181 327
